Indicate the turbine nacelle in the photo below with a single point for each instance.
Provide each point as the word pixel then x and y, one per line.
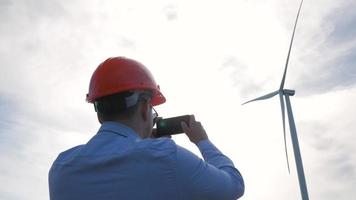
pixel 289 92
pixel 272 94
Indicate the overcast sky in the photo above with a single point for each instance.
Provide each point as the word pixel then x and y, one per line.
pixel 208 57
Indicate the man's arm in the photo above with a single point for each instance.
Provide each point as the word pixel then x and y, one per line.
pixel 214 178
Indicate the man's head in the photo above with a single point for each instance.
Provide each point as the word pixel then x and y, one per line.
pixel 132 108
pixel 124 90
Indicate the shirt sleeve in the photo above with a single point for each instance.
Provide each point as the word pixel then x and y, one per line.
pixel 213 178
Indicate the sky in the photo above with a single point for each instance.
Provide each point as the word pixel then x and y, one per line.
pixel 208 57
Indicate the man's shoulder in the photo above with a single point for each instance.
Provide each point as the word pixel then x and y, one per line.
pixel 69 154
pixel 164 145
pixel 159 143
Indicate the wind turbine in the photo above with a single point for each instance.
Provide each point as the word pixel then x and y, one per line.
pixel 284 94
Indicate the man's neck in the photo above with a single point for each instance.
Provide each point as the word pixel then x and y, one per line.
pixel 134 125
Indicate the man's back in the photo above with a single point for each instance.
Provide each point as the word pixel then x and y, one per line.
pixel 117 164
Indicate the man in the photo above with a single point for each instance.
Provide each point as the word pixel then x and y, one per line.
pixel 125 161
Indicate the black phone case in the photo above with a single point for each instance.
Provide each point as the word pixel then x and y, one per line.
pixel 171 126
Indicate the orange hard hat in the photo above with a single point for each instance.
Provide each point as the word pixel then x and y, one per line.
pixel 120 74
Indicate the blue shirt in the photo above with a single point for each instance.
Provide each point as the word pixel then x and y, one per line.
pixel 117 164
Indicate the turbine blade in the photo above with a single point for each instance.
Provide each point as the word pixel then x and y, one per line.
pixel 267 96
pixel 284 127
pixel 290 48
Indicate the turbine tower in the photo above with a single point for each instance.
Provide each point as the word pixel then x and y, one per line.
pixel 284 94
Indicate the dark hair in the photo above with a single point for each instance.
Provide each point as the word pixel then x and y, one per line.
pixel 113 107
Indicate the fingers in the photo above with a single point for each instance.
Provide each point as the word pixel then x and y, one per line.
pixel 191 120
pixel 195 130
pixel 185 126
pixel 154 133
pixel 192 124
pixel 199 124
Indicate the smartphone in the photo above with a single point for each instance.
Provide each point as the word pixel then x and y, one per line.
pixel 171 126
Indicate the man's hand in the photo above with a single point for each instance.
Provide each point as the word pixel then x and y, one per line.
pixel 194 130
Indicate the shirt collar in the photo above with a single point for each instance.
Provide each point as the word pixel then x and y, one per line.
pixel 119 129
